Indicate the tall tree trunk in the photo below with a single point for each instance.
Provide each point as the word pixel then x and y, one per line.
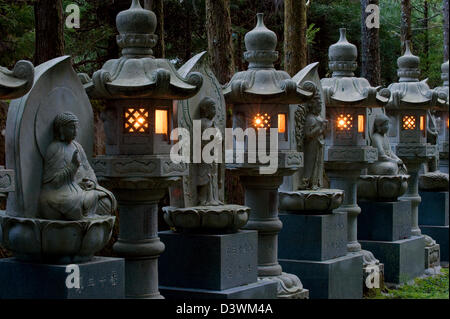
pixel 295 44
pixel 426 45
pixel 157 6
pixel 49 25
pixel 446 33
pixel 370 47
pixel 220 46
pixel 405 28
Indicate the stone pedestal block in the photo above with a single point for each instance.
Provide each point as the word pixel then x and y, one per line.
pixel 384 221
pixel 432 256
pixel 441 235
pixel 212 262
pixel 433 209
pixel 403 259
pixel 258 290
pixel 313 237
pixel 338 278
pixel 100 278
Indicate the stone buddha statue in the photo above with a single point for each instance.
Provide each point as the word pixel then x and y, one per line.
pixel 69 186
pixel 207 173
pixel 388 163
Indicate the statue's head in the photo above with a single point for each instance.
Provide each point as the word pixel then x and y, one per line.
pixel 65 127
pixel 381 124
pixel 315 104
pixel 207 108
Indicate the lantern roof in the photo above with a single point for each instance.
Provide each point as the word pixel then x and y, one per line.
pixel 444 77
pixel 16 83
pixel 343 88
pixel 261 83
pixel 411 93
pixel 137 74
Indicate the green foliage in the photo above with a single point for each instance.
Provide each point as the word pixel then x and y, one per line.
pixel 423 288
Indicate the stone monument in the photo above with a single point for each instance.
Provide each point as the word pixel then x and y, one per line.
pixel 313 243
pixel 207 255
pixel 57 214
pixel 384 227
pixel 408 106
pixel 261 98
pixel 349 101
pixel 433 185
pixel 140 92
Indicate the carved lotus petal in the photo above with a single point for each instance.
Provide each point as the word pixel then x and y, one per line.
pixel 22 237
pixel 319 201
pixel 97 235
pixel 207 218
pixel 62 238
pixel 382 187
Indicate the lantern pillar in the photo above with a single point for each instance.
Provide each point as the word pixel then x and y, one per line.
pixel 139 92
pixel 261 99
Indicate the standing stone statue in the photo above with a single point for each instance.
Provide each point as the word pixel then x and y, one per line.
pixel 70 190
pixel 207 173
pixel 313 142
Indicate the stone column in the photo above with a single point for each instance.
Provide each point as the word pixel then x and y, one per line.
pixel 347 181
pixel 138 239
pixel 412 195
pixel 261 195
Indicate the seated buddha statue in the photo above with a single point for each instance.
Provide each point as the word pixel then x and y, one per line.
pixel 388 163
pixel 69 186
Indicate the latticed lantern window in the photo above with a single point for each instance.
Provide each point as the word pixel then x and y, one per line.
pixel 261 121
pixel 409 122
pixel 344 122
pixel 136 120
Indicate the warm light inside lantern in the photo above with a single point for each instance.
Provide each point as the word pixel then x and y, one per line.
pixel 281 123
pixel 360 123
pixel 261 121
pixel 136 120
pixel 422 123
pixel 161 121
pixel 344 122
pixel 409 122
pixel 448 123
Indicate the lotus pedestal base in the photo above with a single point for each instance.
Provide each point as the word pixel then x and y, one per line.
pixel 100 278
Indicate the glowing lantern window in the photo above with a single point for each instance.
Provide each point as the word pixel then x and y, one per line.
pixel 281 123
pixel 136 120
pixel 261 121
pixel 344 122
pixel 409 122
pixel 422 123
pixel 360 123
pixel 448 123
pixel 161 122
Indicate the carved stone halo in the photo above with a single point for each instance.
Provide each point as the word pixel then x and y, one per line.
pixel 209 219
pixel 382 188
pixel 311 202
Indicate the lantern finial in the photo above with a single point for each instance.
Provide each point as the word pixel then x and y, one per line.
pixel 342 57
pixel 261 44
pixel 137 31
pixel 408 66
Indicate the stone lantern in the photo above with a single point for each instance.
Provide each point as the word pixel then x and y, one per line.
pixel 13 84
pixel 409 108
pixel 348 101
pixel 140 92
pixel 261 98
pixel 444 122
